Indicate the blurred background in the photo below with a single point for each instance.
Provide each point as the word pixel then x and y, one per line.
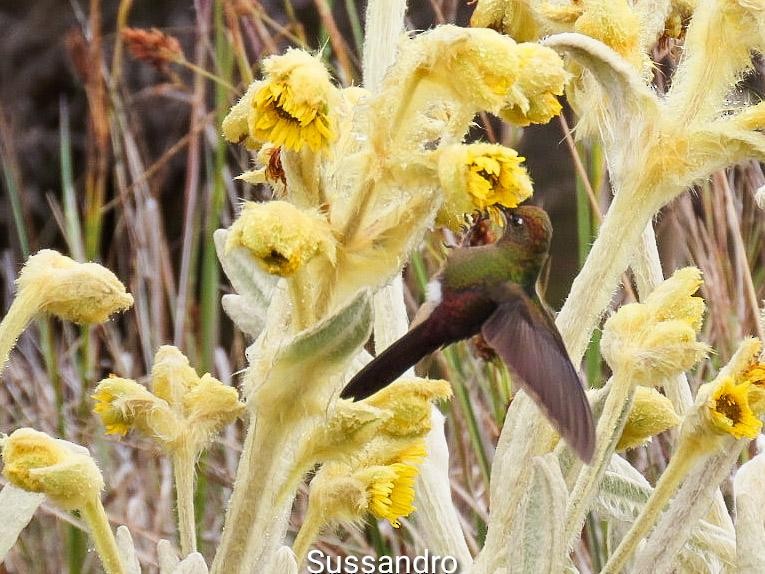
pixel 110 151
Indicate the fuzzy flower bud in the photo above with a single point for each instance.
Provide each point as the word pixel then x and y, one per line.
pixel 77 292
pixel 281 237
pixel 657 338
pixel 614 23
pixel 651 413
pixel 477 177
pixel 62 470
pixel 172 376
pixel 292 106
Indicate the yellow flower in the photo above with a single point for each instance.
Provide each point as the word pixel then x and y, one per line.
pixel 292 106
pixel 651 413
pixel 729 409
pixel 478 177
pixel 281 237
pixel 754 376
pixel 614 23
pixel 38 463
pixel 657 338
pixel 540 79
pixel 123 404
pixel 236 123
pixel 390 488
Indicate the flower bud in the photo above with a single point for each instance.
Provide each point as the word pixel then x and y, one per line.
pixel 651 413
pixel 63 471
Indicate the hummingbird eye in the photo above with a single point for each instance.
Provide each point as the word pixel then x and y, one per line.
pixel 516 220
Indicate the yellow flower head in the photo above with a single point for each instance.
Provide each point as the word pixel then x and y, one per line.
pixel 78 292
pixel 390 488
pixel 478 177
pixel 729 410
pixel 651 413
pixel 62 470
pixel 281 237
pixel 291 107
pixel 541 78
pixel 614 23
pixel 123 404
pixel 409 402
pixel 210 406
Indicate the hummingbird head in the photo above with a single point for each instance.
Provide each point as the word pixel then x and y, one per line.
pixel 528 227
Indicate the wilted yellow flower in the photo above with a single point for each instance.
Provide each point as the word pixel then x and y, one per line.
pixel 281 237
pixel 651 413
pixel 172 376
pixel 209 406
pixel 292 105
pixel 480 176
pixel 38 463
pixel 729 409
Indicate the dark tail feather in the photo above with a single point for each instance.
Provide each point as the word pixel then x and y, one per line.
pixel 392 362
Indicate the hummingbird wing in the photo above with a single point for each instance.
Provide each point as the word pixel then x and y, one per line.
pixel 526 338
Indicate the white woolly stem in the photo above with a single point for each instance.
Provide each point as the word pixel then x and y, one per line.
pixel 384 25
pixel 596 283
pixel 184 460
pixel 681 462
pixel 610 426
pixel 687 508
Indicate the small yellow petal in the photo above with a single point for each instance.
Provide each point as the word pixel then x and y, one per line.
pixel 730 412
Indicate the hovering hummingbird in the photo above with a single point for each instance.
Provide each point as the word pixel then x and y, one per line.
pixel 491 290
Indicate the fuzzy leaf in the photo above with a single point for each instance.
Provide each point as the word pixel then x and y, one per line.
pixel 17 507
pixel 194 563
pixel 331 342
pixel 623 92
pixel 539 545
pixel 246 317
pixel 246 276
pixel 126 549
pixel 167 557
pixel 749 492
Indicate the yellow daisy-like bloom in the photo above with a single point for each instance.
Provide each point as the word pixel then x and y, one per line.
pixel 478 177
pixel 281 237
pixel 291 108
pixel 390 488
pixel 730 412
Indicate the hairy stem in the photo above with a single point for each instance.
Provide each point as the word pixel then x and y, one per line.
pixel 106 546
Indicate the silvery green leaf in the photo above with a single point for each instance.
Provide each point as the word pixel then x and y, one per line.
pixel 333 341
pixel 194 563
pixel 538 543
pixel 17 507
pixel 246 276
pixel 126 549
pixel 247 318
pixel 749 494
pixel 167 557
pixel 623 491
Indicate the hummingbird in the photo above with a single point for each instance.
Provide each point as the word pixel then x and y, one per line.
pixel 491 290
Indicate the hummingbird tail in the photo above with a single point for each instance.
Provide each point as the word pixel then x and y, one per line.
pixel 392 362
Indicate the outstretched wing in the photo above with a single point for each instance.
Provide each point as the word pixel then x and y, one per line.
pixel 527 340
